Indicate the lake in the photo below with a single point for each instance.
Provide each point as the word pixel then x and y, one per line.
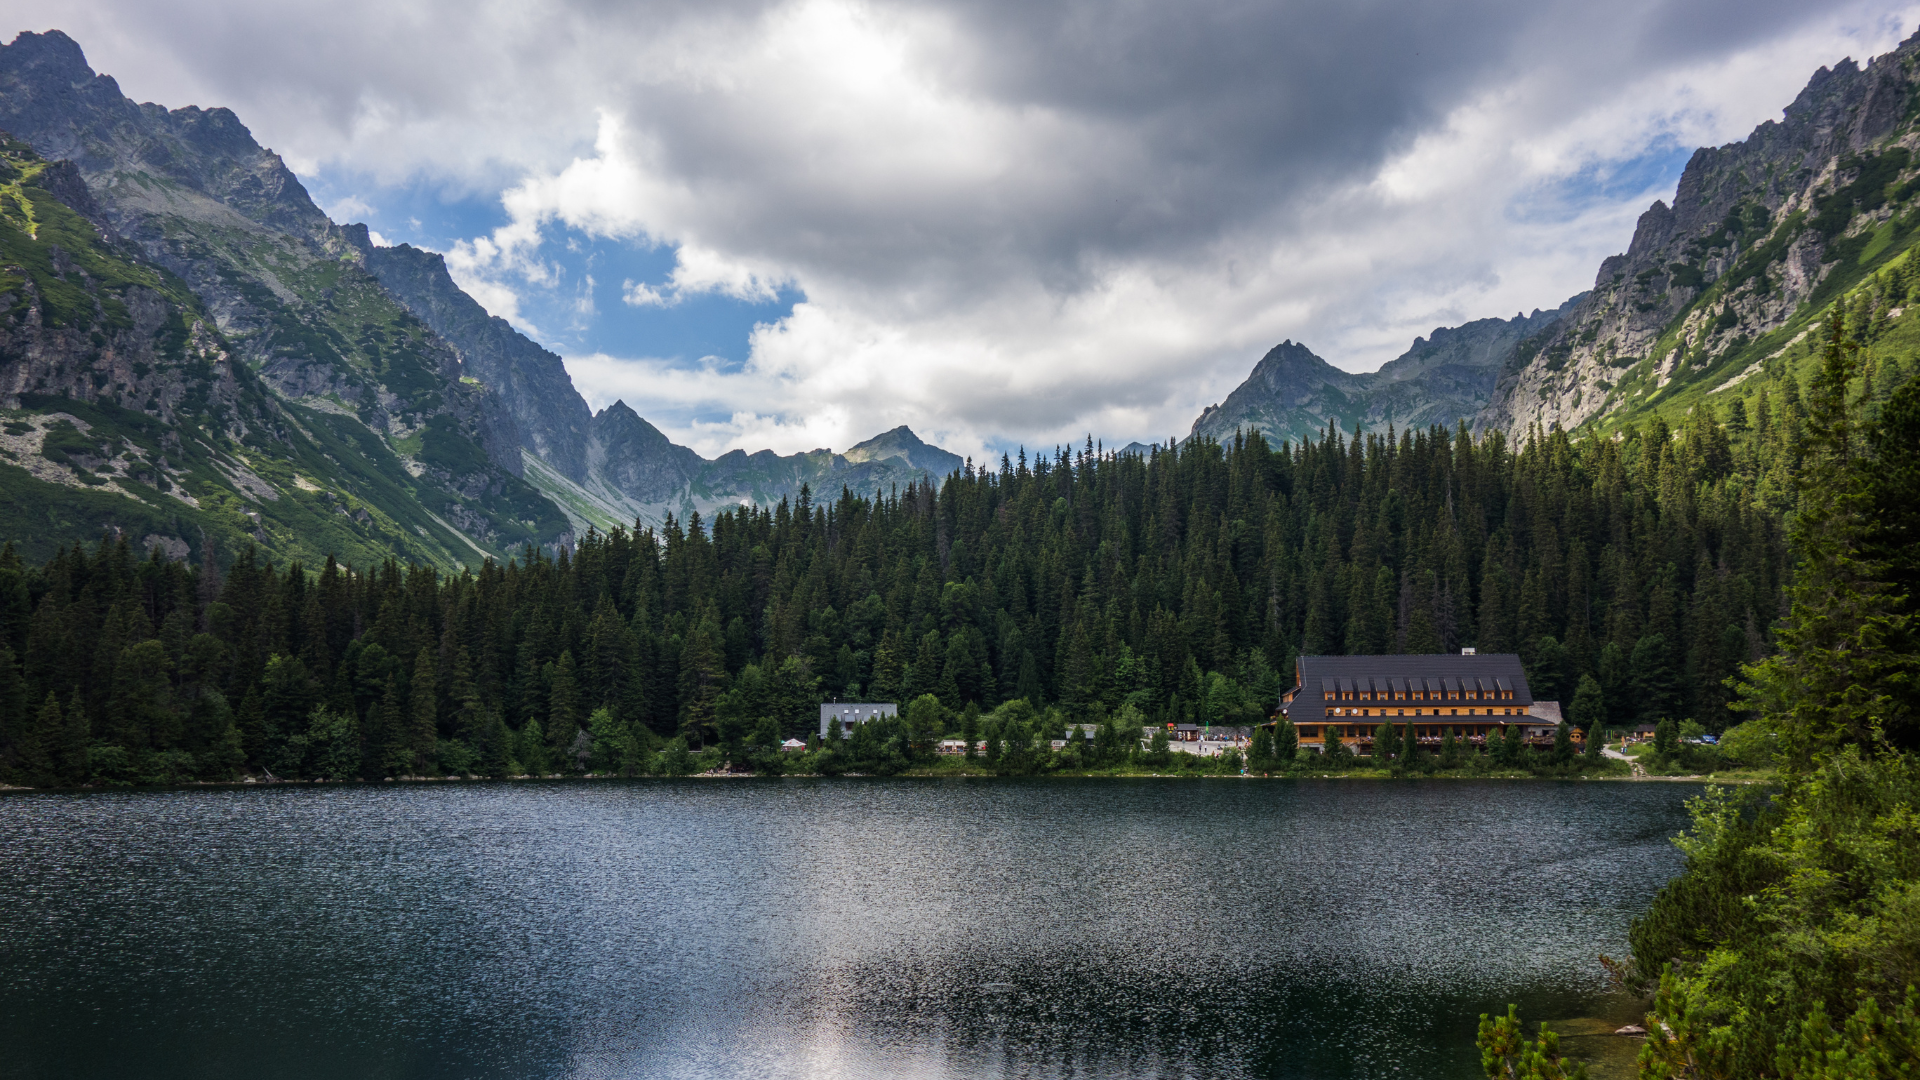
pixel 815 928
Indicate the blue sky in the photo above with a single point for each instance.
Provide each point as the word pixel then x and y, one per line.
pixel 583 310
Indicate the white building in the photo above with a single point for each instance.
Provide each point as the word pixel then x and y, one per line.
pixel 851 714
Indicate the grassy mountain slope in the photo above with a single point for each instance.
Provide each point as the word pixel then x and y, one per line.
pixel 288 292
pixel 122 407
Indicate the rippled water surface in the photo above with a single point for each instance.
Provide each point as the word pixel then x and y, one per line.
pixel 789 928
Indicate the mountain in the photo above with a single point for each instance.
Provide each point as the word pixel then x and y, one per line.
pixel 403 430
pixel 1442 379
pixel 533 384
pixel 1721 288
pixel 353 381
pixel 125 407
pixel 614 467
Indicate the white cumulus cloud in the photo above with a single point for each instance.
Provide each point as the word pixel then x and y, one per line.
pixel 1008 221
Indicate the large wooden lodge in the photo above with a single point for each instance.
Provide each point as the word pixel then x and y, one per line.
pixel 1476 697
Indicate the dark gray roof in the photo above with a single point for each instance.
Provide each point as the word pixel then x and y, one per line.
pixel 1484 678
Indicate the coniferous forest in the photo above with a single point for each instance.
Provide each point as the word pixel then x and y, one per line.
pixel 1078 585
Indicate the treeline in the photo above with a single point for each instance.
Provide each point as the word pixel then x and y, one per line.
pixel 1181 583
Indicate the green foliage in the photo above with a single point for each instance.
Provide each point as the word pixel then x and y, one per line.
pixel 1507 1054
pixel 1806 905
pixel 1791 909
pixel 443 446
pixel 1123 591
pixel 1849 661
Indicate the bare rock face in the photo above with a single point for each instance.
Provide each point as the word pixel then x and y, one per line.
pixel 1757 229
pixel 532 384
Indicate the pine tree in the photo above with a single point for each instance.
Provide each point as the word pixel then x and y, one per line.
pixel 396 752
pixel 702 669
pixel 1589 713
pixel 1286 742
pixel 1846 665
pixel 563 716
pixel 423 713
pixel 1513 740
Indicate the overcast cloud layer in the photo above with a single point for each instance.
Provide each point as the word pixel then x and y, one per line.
pixel 1008 221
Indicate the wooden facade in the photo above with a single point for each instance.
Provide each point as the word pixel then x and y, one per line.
pixel 1476 697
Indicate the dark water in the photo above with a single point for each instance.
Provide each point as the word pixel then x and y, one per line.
pixel 811 928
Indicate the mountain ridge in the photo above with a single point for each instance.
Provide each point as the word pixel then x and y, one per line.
pixel 614 464
pixel 479 425
pixel 1444 377
pixel 1719 285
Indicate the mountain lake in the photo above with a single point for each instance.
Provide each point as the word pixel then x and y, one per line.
pixel 819 927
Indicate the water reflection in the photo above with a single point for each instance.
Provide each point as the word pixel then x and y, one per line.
pixel 804 928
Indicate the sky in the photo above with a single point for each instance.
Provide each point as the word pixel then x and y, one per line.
pixel 791 224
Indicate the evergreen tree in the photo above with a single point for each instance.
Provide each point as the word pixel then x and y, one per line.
pixel 1514 742
pixel 1286 742
pixel 1847 666
pixel 702 668
pixel 563 698
pixel 1386 745
pixel 1589 714
pixel 64 743
pixel 530 749
pixel 423 713
pixel 1260 754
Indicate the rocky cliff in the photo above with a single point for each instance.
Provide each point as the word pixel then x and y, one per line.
pixel 552 419
pixel 1760 236
pixel 126 409
pixel 196 196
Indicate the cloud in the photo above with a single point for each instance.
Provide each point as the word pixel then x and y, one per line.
pixel 1008 221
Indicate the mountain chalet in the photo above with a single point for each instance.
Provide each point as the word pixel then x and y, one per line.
pixel 1474 696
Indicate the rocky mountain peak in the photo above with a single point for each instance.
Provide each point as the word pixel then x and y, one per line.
pixel 1444 377
pixel 50 97
pixel 902 444
pixel 1759 232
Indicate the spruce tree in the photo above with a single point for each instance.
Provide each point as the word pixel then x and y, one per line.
pixel 702 669
pixel 563 715
pixel 423 713
pixel 1514 741
pixel 1589 713
pixel 65 754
